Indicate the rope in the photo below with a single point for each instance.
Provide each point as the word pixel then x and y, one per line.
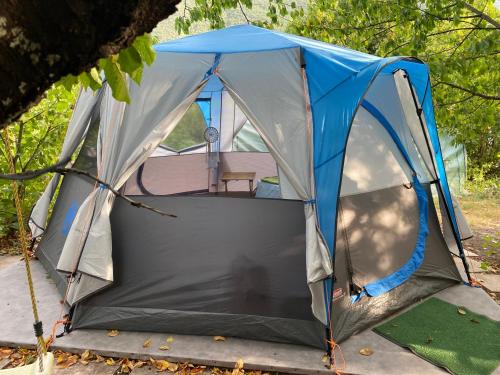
pixel 41 349
pixel 338 370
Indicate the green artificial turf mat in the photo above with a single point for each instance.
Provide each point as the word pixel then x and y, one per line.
pixel 463 342
pixel 271 180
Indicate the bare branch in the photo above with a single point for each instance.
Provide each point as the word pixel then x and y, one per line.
pixel 61 169
pixel 482 15
pixel 243 12
pixel 474 93
pixel 115 192
pixel 455 102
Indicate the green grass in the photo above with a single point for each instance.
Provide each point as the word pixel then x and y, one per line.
pixel 453 337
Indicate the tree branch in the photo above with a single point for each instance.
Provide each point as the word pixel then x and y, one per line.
pixel 474 93
pixel 470 96
pixel 38 47
pixel 61 169
pixel 132 202
pixel 243 12
pixel 482 15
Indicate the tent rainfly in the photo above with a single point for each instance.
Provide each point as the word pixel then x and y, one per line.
pixel 348 234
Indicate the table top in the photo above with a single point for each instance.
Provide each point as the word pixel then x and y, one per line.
pixel 238 176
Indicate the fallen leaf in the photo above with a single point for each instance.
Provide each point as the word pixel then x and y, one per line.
pixel 139 364
pixel 146 343
pixel 461 311
pixel 125 369
pixel 173 367
pixel 475 321
pixel 98 358
pixel 161 365
pixel 113 333
pixel 83 362
pixel 219 338
pixel 239 364
pixel 170 339
pixel 110 361
pixel 4 353
pixel 325 358
pixel 64 361
pixel 86 355
pixel 366 351
pixel 164 347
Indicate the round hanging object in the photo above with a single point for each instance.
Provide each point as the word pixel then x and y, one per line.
pixel 211 134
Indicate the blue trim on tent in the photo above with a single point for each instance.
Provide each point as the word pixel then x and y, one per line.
pixel 69 218
pixel 387 126
pixel 398 277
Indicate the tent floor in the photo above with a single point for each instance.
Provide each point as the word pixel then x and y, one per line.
pixel 388 358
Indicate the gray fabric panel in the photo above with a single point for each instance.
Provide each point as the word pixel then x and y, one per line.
pixel 437 272
pixel 254 327
pixel 381 228
pixel 350 319
pixel 73 191
pixel 225 256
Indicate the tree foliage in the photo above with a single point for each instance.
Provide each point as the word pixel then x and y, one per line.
pixel 114 69
pixel 36 140
pixel 459 41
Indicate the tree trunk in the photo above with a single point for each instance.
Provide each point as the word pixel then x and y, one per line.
pixel 44 40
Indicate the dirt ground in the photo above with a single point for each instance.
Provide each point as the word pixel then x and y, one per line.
pixel 483 215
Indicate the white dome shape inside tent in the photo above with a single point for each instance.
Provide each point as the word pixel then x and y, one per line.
pixel 342 144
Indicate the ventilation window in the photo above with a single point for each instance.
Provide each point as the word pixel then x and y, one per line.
pixel 247 139
pixel 189 131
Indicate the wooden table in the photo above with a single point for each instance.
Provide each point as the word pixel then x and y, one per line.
pixel 238 176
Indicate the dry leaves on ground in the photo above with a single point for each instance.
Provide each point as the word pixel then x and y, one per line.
pixel 17 357
pixel 22 356
pixel 147 343
pixel 366 351
pixel 113 333
pixel 219 338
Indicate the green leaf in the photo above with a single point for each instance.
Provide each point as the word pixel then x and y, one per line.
pixel 95 79
pixel 129 60
pixel 68 81
pixel 136 75
pixel 116 79
pixel 144 46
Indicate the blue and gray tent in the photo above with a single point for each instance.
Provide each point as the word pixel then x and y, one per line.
pixel 344 233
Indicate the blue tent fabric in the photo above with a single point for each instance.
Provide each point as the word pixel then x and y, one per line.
pixel 338 80
pixel 205 107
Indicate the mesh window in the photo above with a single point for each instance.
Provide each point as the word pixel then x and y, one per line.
pixel 189 131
